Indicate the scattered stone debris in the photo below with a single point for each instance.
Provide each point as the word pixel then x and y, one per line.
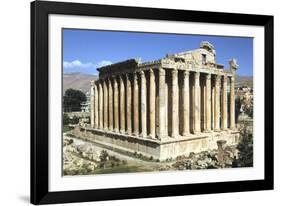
pixel 207 160
pixel 82 158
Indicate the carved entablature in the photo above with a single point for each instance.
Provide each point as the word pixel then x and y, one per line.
pixel 127 66
pixel 167 63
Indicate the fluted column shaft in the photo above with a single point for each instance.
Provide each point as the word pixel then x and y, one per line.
pixel 110 105
pixel 92 104
pixel 197 125
pixel 224 103
pixel 105 106
pixel 100 105
pixel 96 106
pixel 116 107
pixel 152 103
pixel 186 103
pixel 136 105
pixel 129 103
pixel 122 105
pixel 175 103
pixel 208 102
pixel 232 103
pixel 217 103
pixel 162 104
pixel 143 105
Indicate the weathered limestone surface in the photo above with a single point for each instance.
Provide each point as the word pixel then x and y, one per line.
pixel 217 103
pixel 122 105
pixel 165 106
pixel 208 103
pixel 105 106
pixel 162 103
pixel 129 103
pixel 96 106
pixel 185 95
pixel 100 106
pixel 136 105
pixel 143 105
pixel 116 106
pixel 92 104
pixel 232 104
pixel 110 105
pixel 152 96
pixel 196 100
pixel 224 103
pixel 175 103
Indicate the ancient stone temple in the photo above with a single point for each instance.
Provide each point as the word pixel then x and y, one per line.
pixel 182 103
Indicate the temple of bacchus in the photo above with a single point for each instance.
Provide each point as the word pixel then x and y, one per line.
pixel 182 103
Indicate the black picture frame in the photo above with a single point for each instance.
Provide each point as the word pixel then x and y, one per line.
pixel 39 102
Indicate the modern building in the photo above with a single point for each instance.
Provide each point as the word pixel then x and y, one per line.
pixel 182 103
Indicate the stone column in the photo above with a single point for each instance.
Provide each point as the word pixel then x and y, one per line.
pixel 224 103
pixel 217 103
pixel 213 88
pixel 143 105
pixel 162 104
pixel 110 106
pixel 175 103
pixel 96 106
pixel 105 106
pixel 100 105
pixel 186 104
pixel 129 103
pixel 136 105
pixel 152 96
pixel 122 105
pixel 208 102
pixel 93 104
pixel 116 103
pixel 197 123
pixel 232 103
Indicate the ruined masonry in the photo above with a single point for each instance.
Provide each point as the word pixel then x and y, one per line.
pixel 182 103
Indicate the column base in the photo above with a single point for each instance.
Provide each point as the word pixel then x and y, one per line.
pixel 174 135
pixel 185 134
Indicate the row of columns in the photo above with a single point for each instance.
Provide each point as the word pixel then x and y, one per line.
pixel 123 108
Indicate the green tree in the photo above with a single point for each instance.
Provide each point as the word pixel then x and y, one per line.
pixel 245 148
pixel 72 100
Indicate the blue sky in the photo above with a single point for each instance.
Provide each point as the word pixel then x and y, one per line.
pixel 86 50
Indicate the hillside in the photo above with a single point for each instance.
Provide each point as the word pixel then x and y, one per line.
pixel 244 81
pixel 79 81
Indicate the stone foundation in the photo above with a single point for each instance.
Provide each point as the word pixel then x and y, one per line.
pixel 159 149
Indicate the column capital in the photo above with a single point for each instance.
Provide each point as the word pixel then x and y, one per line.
pixel 151 71
pixel 232 79
pixel 218 76
pixel 208 76
pixel 162 72
pixel 127 76
pixel 135 76
pixel 197 74
pixel 142 73
pixel 186 73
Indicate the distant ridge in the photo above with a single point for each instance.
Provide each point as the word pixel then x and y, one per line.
pixel 78 81
pixel 242 81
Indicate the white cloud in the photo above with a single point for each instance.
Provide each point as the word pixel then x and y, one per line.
pixel 79 64
pixel 103 63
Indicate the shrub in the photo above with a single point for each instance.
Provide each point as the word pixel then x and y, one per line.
pixel 104 155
